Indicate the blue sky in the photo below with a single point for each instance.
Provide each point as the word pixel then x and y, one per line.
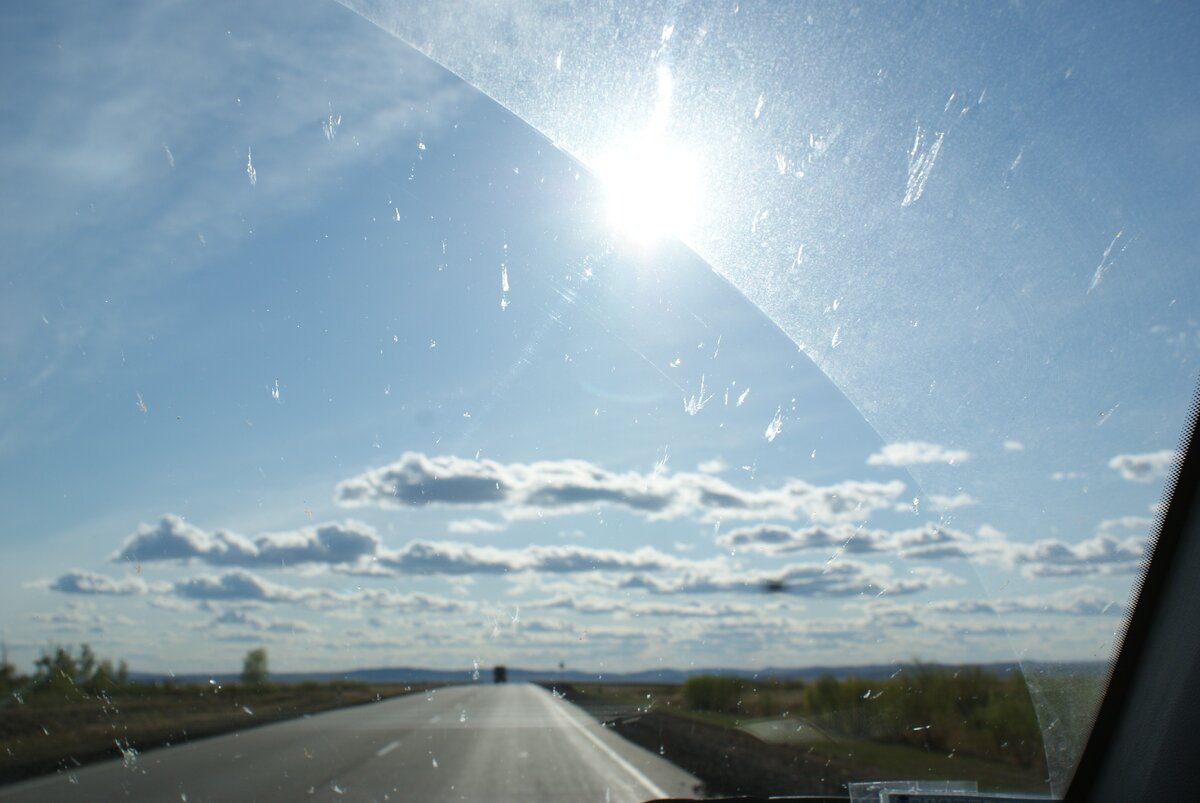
pixel 264 384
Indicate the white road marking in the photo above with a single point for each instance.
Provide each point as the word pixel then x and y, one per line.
pixel 650 786
pixel 387 748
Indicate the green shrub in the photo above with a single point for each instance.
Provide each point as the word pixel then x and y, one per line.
pixel 719 693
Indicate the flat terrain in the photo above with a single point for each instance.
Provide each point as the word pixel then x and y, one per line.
pixel 482 742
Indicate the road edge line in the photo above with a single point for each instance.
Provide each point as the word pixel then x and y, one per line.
pixel 637 774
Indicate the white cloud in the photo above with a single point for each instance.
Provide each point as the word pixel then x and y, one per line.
pixel 446 557
pixel 1060 476
pixel 1082 601
pixel 246 618
pixel 842 578
pixel 242 586
pixel 1101 554
pixel 1014 446
pixel 714 466
pixel 173 539
pixel 473 526
pixel 929 542
pixel 1135 524
pixel 625 608
pixel 82 618
pixel 941 503
pixel 91 583
pixel 1146 467
pixel 531 490
pixel 916 452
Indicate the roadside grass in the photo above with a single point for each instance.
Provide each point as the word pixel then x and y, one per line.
pixel 59 730
pixel 899 760
pixel 924 723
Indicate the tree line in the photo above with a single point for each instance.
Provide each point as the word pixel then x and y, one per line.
pixel 58 669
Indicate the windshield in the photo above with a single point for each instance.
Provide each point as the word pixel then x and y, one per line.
pixel 690 401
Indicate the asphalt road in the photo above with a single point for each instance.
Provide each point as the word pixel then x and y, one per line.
pixel 507 742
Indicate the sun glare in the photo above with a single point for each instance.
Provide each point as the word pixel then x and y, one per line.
pixel 652 183
pixel 652 189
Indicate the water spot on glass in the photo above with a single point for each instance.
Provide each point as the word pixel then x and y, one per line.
pixel 129 754
pixel 759 217
pixel 396 213
pixel 1105 263
pixel 696 403
pixel 275 390
pixel 741 399
pixel 330 126
pixel 920 164
pixel 775 427
pixel 251 173
pixel 170 156
pixel 758 107
pixel 435 764
pixel 141 404
pixel 836 340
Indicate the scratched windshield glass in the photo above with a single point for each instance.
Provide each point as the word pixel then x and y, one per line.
pixel 493 403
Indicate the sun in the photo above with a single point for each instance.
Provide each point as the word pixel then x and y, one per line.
pixel 652 188
pixel 652 183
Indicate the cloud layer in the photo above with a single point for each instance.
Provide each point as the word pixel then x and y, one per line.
pixel 558 487
pixel 175 539
pixel 1102 554
pixel 1146 467
pixel 910 453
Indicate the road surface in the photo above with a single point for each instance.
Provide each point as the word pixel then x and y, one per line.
pixel 504 742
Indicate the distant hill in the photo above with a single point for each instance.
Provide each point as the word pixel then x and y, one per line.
pixel 516 674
